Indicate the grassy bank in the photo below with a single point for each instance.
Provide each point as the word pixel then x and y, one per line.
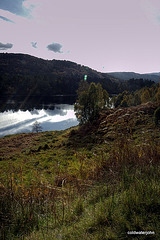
pixel 98 181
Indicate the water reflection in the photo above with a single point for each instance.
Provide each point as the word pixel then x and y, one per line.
pixel 51 117
pixel 31 103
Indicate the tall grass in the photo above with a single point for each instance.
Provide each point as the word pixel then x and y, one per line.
pixel 102 194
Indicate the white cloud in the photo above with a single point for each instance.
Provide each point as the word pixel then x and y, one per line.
pixel 152 10
pixel 158 18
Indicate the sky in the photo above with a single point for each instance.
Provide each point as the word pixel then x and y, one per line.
pixel 105 35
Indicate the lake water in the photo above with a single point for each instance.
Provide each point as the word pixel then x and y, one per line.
pixel 51 117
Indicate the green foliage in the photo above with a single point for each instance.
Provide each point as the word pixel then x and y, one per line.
pixel 124 102
pixel 146 94
pixel 23 77
pixel 79 184
pixel 27 76
pixel 156 116
pixel 122 99
pixel 145 97
pixel 137 98
pixel 158 95
pixel 91 99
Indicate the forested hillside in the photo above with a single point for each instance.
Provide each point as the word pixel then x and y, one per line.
pixel 130 75
pixel 23 75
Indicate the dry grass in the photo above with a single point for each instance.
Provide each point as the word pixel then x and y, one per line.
pixel 81 181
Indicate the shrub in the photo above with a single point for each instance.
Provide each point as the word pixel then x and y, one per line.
pixel 156 116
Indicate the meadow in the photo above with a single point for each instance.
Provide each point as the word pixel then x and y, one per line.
pixel 97 181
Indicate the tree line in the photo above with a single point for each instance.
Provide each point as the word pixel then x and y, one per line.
pixel 143 95
pixel 92 98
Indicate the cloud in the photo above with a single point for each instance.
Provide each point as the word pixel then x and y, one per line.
pixel 152 11
pixel 158 18
pixel 16 6
pixel 34 44
pixel 6 19
pixel 5 46
pixel 55 47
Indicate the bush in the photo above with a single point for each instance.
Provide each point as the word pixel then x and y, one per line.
pixel 156 116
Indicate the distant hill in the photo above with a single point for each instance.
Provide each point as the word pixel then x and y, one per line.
pixel 23 76
pixel 130 75
pixel 157 73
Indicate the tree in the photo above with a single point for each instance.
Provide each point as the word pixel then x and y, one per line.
pixel 36 127
pixel 121 99
pixel 145 97
pixel 91 99
pixel 137 98
pixel 158 95
pixel 124 102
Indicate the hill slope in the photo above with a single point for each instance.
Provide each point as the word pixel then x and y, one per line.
pixel 130 75
pixel 24 76
pixel 95 182
pixel 37 76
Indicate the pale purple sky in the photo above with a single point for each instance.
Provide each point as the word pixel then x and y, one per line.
pixel 106 35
